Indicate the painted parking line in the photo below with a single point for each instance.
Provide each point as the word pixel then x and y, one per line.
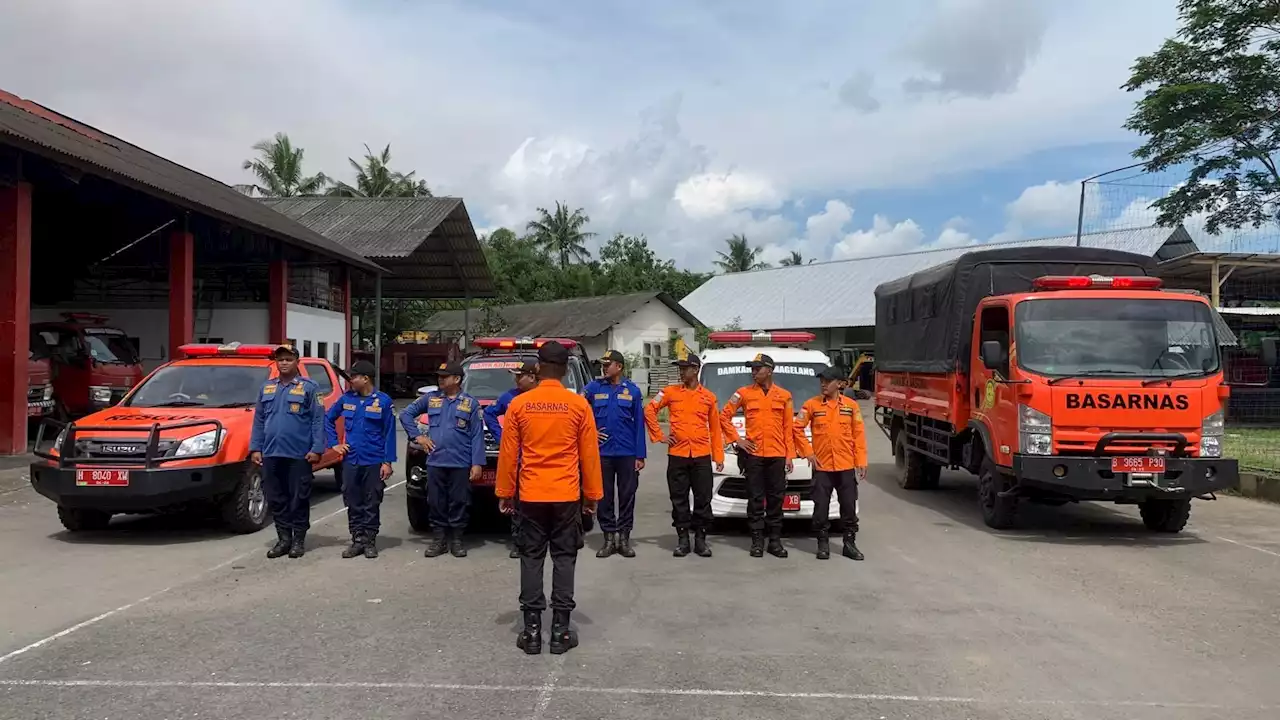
pixel 1273 553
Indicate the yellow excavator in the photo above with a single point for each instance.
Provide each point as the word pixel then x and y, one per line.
pixel 862 378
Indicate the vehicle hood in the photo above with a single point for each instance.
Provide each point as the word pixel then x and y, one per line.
pixel 120 422
pixel 1112 406
pixel 116 374
pixel 38 373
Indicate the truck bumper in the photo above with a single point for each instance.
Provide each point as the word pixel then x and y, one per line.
pixel 147 491
pixel 1091 478
pixel 415 473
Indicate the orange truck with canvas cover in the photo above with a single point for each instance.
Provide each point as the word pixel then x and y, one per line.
pixel 177 440
pixel 1055 375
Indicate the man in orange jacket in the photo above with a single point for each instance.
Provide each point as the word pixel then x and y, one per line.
pixel 765 454
pixel 838 456
pixel 550 450
pixel 693 444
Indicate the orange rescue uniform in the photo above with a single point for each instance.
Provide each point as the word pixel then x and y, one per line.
pixel 769 420
pixel 839 436
pixel 550 447
pixel 694 423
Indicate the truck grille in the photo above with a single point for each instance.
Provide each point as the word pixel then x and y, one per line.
pixel 1083 444
pixel 120 448
pixel 35 394
pixel 736 488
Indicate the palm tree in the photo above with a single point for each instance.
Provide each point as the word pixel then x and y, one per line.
pixel 375 178
pixel 741 257
pixel 794 259
pixel 562 233
pixel 278 169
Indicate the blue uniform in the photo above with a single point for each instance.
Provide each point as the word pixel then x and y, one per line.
pixel 456 428
pixel 619 413
pixel 370 425
pixel 288 423
pixel 497 410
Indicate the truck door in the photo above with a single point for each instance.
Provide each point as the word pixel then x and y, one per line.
pixel 994 402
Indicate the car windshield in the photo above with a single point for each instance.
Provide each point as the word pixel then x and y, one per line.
pixel 1105 336
pixel 110 347
pixel 205 385
pixel 799 379
pixel 488 378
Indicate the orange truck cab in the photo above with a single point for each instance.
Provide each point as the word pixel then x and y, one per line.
pixel 94 365
pixel 179 439
pixel 1055 375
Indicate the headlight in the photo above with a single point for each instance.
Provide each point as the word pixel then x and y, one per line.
pixel 48 392
pixel 1035 432
pixel 1211 431
pixel 206 443
pixel 417 474
pixel 57 442
pixel 100 394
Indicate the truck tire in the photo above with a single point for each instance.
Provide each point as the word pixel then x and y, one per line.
pixel 1165 516
pixel 915 471
pixel 83 519
pixel 245 510
pixel 419 516
pixel 999 513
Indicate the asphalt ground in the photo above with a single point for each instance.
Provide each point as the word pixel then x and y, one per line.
pixel 1082 614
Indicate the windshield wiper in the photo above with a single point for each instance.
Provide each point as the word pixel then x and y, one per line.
pixel 1090 373
pixel 1179 376
pixel 180 403
pixel 247 403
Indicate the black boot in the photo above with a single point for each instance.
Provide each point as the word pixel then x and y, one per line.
pixel 824 545
pixel 563 637
pixel 609 546
pixel 851 550
pixel 298 547
pixel 775 547
pixel 700 543
pixel 439 544
pixel 624 545
pixel 530 640
pixel 455 545
pixel 682 543
pixel 757 543
pixel 371 545
pixel 284 538
pixel 356 548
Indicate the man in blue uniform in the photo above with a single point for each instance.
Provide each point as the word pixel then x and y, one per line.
pixel 618 406
pixel 454 444
pixel 288 436
pixel 526 378
pixel 368 419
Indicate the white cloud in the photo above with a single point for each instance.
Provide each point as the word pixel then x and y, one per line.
pixel 713 194
pixel 978 48
pixel 883 238
pixel 1052 204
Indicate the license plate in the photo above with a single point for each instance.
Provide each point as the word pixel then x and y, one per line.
pixel 1138 464
pixel 790 502
pixel 34 410
pixel 102 478
pixel 488 476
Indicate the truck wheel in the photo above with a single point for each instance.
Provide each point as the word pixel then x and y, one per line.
pixel 915 471
pixel 1166 516
pixel 999 513
pixel 419 519
pixel 81 519
pixel 245 510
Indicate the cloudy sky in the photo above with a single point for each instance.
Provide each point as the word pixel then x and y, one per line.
pixel 834 127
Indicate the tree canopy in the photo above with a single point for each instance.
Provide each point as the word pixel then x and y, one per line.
pixel 278 170
pixel 740 256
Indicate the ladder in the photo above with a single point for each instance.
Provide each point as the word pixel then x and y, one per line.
pixel 203 321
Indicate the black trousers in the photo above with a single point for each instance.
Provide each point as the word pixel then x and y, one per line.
pixel 766 484
pixel 449 496
pixel 685 474
pixel 620 484
pixel 554 527
pixel 287 484
pixel 362 491
pixel 845 483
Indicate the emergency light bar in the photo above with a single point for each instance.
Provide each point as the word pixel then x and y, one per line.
pixel 85 317
pixel 230 349
pixel 494 343
pixel 742 337
pixel 1097 282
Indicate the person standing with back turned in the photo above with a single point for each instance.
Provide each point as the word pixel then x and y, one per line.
pixel 838 456
pixel 550 455
pixel 618 406
pixel 765 453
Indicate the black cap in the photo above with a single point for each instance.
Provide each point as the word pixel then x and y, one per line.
pixel 613 356
pixel 761 360
pixel 831 373
pixel 284 349
pixel 553 353
pixel 450 368
pixel 362 367
pixel 689 360
pixel 526 368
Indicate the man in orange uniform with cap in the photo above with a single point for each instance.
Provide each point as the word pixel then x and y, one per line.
pixel 765 453
pixel 693 444
pixel 551 451
pixel 838 456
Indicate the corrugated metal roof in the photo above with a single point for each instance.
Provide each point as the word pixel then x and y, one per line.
pixel 842 293
pixel 573 318
pixel 41 131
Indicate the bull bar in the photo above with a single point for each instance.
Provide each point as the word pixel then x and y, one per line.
pixel 152 459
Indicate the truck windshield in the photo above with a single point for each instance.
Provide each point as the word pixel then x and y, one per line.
pixel 1106 336
pixel 110 346
pixel 799 379
pixel 201 386
pixel 487 379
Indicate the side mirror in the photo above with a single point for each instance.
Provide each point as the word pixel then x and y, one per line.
pixel 1269 356
pixel 992 355
pixel 427 388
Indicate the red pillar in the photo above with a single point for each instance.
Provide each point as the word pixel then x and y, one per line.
pixel 182 290
pixel 346 304
pixel 278 301
pixel 15 315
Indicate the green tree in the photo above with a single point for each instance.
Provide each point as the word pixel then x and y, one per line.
pixel 522 270
pixel 562 233
pixel 1211 99
pixel 740 257
pixel 278 170
pixel 375 178
pixel 795 258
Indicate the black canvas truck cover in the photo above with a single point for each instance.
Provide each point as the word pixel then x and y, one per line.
pixel 924 321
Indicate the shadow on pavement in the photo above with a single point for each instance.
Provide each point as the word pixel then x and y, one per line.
pixel 1086 523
